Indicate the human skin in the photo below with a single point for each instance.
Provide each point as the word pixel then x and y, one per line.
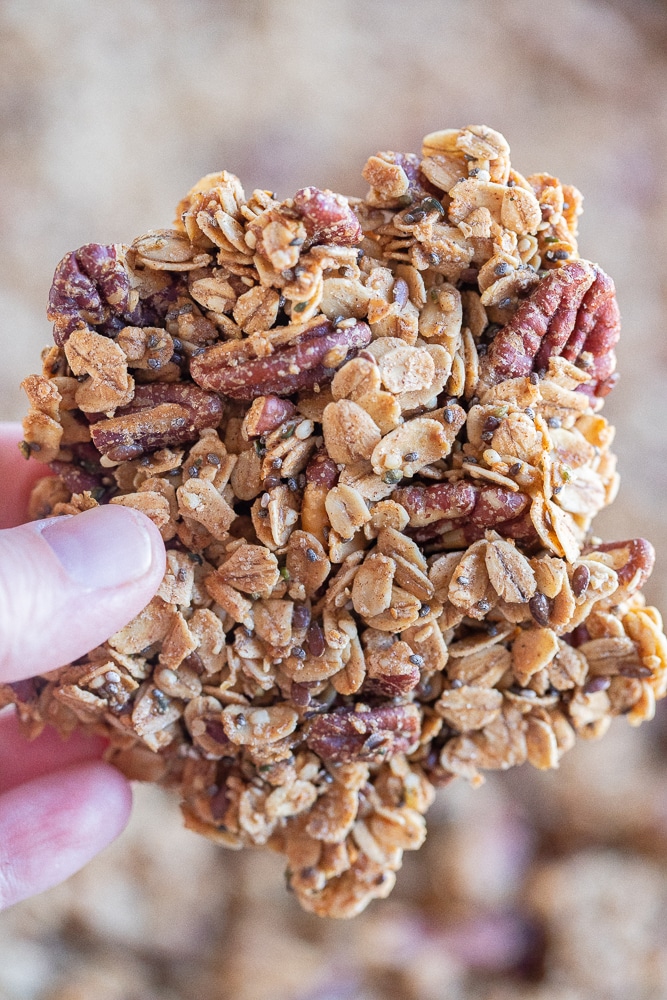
pixel 66 584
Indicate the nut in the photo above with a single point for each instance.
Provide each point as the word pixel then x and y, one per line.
pixel 572 311
pixel 232 368
pixel 327 217
pixel 364 734
pixel 160 414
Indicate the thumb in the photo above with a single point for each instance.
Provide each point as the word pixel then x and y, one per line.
pixel 68 583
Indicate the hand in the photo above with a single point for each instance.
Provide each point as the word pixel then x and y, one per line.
pixel 66 584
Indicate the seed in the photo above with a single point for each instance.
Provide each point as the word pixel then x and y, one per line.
pixel 299 652
pixel 580 580
pixel 424 610
pixel 463 580
pixel 432 205
pixel 212 459
pixel 502 269
pixel 393 476
pixel 161 701
pixel 484 605
pixel 315 639
pixel 311 555
pixel 540 608
pixel 515 469
pixel 530 412
pixel 411 456
pixel 300 616
pixel 553 422
pixel 596 684
pixel 417 660
pixel 456 683
pixel 534 378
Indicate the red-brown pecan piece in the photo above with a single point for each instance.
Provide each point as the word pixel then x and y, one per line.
pixel 322 470
pixel 572 312
pixel 160 414
pixel 449 501
pixel 443 507
pixel 84 472
pixel 327 217
pixel 266 414
pixel 374 735
pixel 311 359
pixel 91 287
pixel 393 685
pixel 633 560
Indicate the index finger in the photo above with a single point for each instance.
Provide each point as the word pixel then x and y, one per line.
pixel 17 476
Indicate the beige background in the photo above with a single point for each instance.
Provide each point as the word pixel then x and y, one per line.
pixel 110 111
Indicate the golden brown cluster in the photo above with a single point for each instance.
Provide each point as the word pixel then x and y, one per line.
pixel 369 433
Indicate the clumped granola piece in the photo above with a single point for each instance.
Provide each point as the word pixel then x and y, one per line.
pixel 370 434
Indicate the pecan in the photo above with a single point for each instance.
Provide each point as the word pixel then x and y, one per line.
pixel 376 734
pixel 425 504
pixel 443 507
pixel 231 369
pixel 327 217
pixel 573 313
pixel 322 470
pixel 266 414
pixel 633 560
pixel 160 414
pixel 91 287
pixel 83 472
pixel 482 506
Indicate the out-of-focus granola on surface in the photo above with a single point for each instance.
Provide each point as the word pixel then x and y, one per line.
pixel 370 434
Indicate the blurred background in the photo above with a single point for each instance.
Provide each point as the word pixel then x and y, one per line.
pixel 536 887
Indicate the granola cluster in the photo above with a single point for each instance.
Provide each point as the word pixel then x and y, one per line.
pixel 369 432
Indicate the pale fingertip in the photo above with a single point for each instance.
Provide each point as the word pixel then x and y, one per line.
pixel 52 826
pixel 67 584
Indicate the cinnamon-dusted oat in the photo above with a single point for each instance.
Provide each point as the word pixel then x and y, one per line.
pixel 369 432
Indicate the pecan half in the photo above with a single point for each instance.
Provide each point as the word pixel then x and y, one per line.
pixel 310 360
pixel 376 734
pixel 573 313
pixel 91 287
pixel 160 414
pixel 633 560
pixel 327 217
pixel 426 504
pixel 443 507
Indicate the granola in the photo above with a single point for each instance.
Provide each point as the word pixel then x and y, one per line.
pixel 370 434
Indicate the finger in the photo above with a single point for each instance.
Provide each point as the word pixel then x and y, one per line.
pixel 54 825
pixel 22 760
pixel 17 477
pixel 68 583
